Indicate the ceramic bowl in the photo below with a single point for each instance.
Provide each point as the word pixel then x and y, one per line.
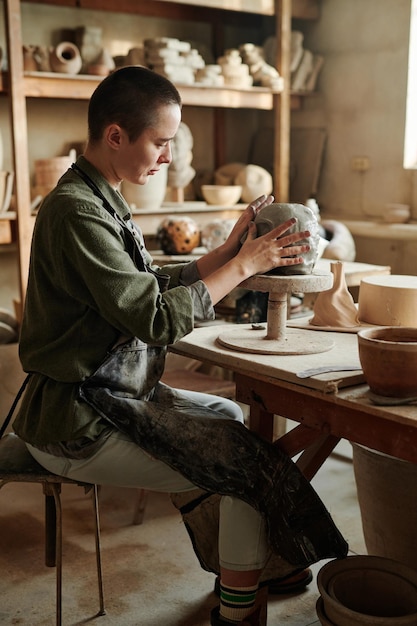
pixel 368 591
pixel 397 213
pixel 222 195
pixel 388 357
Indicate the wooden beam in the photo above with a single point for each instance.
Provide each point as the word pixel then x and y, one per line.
pixel 17 103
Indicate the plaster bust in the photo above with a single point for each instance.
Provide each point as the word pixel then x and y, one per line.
pixel 277 213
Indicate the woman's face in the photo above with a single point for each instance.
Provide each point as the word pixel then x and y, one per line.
pixel 143 158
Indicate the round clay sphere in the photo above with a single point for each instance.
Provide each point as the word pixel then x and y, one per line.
pixel 275 214
pixel 214 233
pixel 178 235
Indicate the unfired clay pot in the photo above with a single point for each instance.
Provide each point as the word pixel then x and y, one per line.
pixel 65 58
pixel 277 213
pixel 149 196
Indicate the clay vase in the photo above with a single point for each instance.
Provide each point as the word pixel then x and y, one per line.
pixel 178 235
pixel 275 214
pixel 29 60
pixel 335 307
pixel 65 58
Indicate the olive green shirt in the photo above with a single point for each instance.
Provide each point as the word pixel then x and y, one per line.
pixel 85 293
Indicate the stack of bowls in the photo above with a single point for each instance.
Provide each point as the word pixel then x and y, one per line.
pixel 367 591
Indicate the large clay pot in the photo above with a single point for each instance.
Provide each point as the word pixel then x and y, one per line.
pixel 149 196
pixel 386 489
pixel 388 356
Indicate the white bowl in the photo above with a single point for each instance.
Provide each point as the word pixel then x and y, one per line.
pixel 222 195
pixel 397 213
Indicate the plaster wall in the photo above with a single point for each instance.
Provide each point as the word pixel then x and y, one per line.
pixel 363 88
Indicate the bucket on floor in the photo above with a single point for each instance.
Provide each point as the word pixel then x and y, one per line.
pixel 386 488
pixel 367 591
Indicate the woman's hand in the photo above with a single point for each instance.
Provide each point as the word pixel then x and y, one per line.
pixel 274 249
pixel 232 244
pixel 217 258
pixel 257 255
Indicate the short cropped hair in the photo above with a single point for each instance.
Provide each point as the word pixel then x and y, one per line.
pixel 130 97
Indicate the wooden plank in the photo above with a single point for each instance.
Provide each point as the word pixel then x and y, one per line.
pixel 391 430
pixel 80 87
pixel 282 104
pixel 191 9
pixel 202 343
pixel 211 12
pixel 17 103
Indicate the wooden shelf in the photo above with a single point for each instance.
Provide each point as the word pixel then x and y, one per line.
pixel 265 16
pixel 192 9
pixel 81 86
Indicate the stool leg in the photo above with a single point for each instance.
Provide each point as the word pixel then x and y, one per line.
pixel 140 505
pixel 102 610
pixel 55 488
pixel 50 527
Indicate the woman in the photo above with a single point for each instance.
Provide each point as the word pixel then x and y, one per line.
pixel 99 315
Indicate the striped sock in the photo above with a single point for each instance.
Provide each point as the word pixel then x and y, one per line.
pixel 236 602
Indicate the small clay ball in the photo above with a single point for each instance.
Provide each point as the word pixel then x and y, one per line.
pixel 275 214
pixel 178 235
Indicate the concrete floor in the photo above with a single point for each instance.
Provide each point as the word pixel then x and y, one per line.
pixel 151 576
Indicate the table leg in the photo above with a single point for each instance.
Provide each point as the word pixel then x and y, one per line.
pixel 314 445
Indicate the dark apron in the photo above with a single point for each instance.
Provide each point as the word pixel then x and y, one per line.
pixel 218 455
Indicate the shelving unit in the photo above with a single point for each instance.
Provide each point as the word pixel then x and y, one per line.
pixel 18 85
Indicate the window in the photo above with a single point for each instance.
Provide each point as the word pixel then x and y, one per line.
pixel 410 143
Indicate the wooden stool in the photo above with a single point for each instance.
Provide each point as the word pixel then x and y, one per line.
pixel 17 465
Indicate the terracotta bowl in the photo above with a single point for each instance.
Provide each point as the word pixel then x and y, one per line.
pixel 222 195
pixel 368 591
pixel 388 356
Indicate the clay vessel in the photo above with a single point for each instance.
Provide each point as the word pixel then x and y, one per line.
pixel 29 60
pixel 215 233
pixel 149 196
pixel 275 214
pixel 65 58
pixel 221 195
pixel 368 591
pixel 388 356
pixel 388 512
pixel 335 306
pixel 178 235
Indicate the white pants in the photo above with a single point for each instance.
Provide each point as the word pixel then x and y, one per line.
pixel 121 462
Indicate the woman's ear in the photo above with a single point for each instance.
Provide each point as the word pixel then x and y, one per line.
pixel 113 136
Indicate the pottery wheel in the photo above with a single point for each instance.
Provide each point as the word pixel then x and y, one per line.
pixel 279 339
